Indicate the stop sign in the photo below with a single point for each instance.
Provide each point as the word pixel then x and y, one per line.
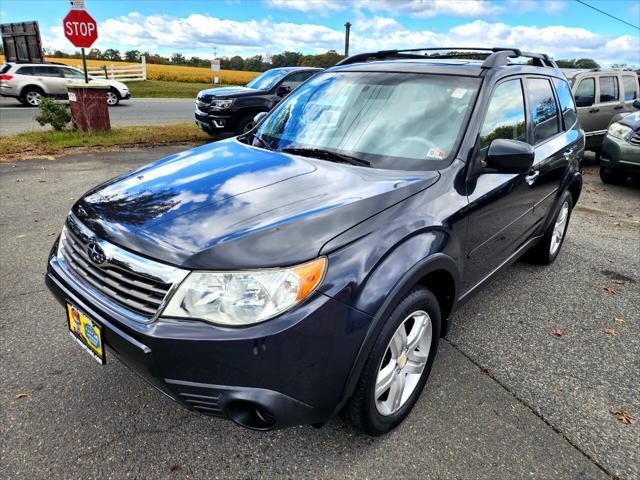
pixel 80 28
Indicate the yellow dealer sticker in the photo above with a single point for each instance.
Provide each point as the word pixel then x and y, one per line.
pixel 87 333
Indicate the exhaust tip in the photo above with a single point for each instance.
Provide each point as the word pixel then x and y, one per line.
pixel 250 415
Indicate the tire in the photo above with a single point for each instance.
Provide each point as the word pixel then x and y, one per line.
pixel 32 96
pixel 545 252
pixel 113 97
pixel 376 414
pixel 245 124
pixel 614 178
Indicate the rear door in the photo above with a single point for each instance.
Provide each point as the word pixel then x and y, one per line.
pixel 51 79
pixel 609 100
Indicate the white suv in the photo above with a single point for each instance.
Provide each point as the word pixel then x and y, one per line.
pixel 29 83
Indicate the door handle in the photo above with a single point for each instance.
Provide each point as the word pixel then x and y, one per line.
pixel 619 107
pixel 569 153
pixel 531 178
pixel 594 110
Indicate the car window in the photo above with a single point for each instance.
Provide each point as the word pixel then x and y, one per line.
pixel 505 116
pixel 267 80
pixel 630 84
pixel 5 68
pixel 608 89
pixel 72 73
pixel 393 120
pixel 567 106
pixel 47 72
pixel 294 80
pixel 586 92
pixel 26 71
pixel 543 109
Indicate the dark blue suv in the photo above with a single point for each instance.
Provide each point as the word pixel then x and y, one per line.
pixel 311 265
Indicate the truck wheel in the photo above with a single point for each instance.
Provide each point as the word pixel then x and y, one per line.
pixel 113 97
pixel 245 124
pixel 399 364
pixel 32 96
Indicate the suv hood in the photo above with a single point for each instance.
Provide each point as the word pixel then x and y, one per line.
pixel 228 205
pixel 228 92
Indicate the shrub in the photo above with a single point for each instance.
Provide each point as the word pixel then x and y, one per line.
pixel 55 114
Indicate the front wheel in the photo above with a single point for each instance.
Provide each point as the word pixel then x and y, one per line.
pixel 607 176
pixel 245 124
pixel 398 366
pixel 545 252
pixel 113 97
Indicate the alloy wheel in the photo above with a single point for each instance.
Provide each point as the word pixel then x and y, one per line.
pixel 559 228
pixel 34 98
pixel 112 99
pixel 403 362
pixel 248 127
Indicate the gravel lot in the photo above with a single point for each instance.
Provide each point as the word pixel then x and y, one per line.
pixel 506 399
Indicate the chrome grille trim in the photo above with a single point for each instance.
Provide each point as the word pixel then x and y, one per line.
pixel 635 138
pixel 131 285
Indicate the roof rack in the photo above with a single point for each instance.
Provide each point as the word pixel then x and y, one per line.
pixel 495 57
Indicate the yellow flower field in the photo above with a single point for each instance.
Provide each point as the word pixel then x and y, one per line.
pixel 173 73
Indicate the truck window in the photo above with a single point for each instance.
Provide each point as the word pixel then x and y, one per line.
pixel 586 92
pixel 630 84
pixel 608 89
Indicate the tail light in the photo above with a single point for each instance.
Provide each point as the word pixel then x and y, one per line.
pixel 6 77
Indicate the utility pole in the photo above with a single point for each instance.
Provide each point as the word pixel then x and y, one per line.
pixel 347 27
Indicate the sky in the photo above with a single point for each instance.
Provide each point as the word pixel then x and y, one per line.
pixel 561 28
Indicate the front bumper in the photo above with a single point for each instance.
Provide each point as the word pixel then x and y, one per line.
pixel 620 156
pixel 126 96
pixel 287 371
pixel 211 121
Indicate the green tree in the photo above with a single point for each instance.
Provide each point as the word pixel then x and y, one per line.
pixel 112 54
pixel 587 63
pixel 254 64
pixel 132 56
pixel 236 63
pixel 178 59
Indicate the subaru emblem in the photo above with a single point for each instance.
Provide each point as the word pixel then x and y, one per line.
pixel 96 253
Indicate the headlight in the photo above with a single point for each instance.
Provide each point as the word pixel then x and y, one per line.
pixel 618 130
pixel 244 297
pixel 221 104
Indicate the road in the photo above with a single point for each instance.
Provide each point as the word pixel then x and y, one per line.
pixel 16 118
pixel 505 400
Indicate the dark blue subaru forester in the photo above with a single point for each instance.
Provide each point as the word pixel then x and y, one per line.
pixel 310 266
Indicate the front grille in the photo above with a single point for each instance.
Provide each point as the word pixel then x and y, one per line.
pixel 635 138
pixel 132 282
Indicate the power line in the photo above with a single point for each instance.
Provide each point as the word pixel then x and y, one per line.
pixel 608 14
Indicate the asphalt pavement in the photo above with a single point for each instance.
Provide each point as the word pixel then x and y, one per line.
pixel 505 400
pixel 17 118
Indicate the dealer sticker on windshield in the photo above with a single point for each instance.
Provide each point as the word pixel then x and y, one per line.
pixel 436 154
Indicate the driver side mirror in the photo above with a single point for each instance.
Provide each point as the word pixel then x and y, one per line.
pixel 283 90
pixel 509 156
pixel 636 103
pixel 258 118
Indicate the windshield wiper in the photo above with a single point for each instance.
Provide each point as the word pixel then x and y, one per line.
pixel 327 155
pixel 261 141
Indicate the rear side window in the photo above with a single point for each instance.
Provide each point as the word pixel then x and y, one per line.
pixel 26 70
pixel 543 109
pixel 47 72
pixel 505 116
pixel 608 89
pixel 296 79
pixel 5 68
pixel 630 84
pixel 567 106
pixel 586 92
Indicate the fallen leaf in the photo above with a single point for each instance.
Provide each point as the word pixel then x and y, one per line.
pixel 51 234
pixel 623 415
pixel 175 467
pixel 42 181
pixel 19 180
pixel 619 320
pixel 556 332
pixel 611 332
pixel 609 290
pixel 619 282
pixel 22 395
pixel 488 372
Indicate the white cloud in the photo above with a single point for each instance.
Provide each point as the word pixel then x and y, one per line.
pixel 432 8
pixel 320 6
pixel 199 34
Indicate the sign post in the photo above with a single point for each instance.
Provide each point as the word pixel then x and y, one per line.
pixel 81 30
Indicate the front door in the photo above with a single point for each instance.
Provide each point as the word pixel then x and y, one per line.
pixel 500 204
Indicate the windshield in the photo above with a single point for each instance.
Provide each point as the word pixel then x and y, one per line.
pixel 392 120
pixel 72 73
pixel 267 80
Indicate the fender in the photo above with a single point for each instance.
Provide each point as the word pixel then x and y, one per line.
pixel 432 263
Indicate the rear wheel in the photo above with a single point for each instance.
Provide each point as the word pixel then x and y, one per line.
pixel 545 252
pixel 113 97
pixel 245 124
pixel 398 366
pixel 32 96
pixel 607 176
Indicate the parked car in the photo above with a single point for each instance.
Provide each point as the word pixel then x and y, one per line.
pixel 231 109
pixel 30 83
pixel 311 266
pixel 602 97
pixel 620 156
